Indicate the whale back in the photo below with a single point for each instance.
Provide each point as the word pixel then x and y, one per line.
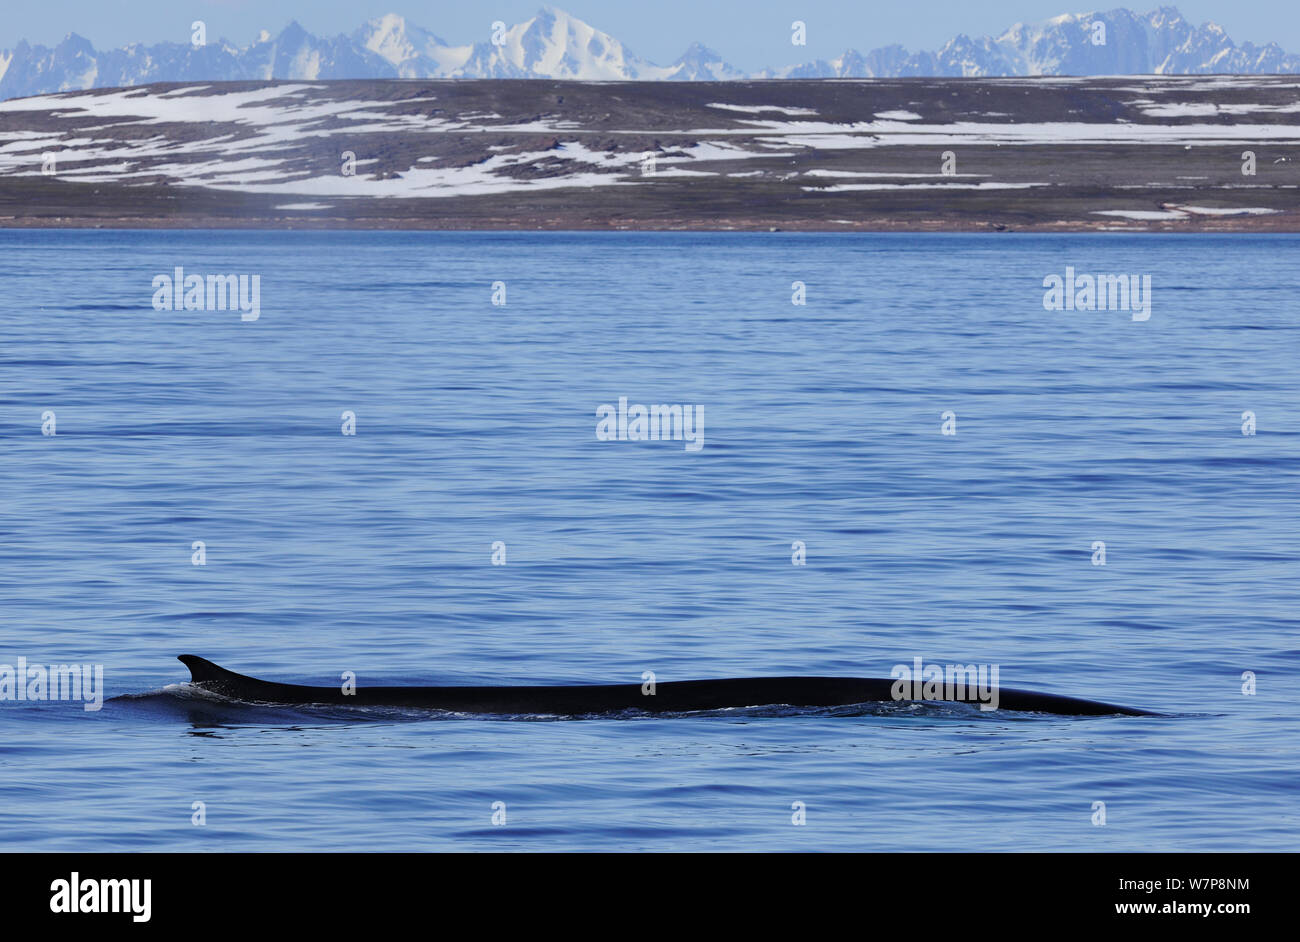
pixel 670 697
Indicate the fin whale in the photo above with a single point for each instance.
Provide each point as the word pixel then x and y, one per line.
pixel 682 696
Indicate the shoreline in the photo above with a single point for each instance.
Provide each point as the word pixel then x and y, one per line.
pixel 1247 224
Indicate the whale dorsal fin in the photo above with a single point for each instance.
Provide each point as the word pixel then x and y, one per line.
pixel 202 670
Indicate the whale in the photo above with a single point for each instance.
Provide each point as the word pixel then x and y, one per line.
pixel 680 696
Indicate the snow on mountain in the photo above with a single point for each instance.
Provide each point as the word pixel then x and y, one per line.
pixel 413 52
pixel 553 44
pixel 699 63
pixel 1160 42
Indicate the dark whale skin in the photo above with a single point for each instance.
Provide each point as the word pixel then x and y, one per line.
pixel 682 696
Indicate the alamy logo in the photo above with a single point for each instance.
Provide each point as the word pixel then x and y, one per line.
pixel 1098 293
pixel 181 292
pixel 655 423
pixel 961 682
pixel 56 682
pixel 76 895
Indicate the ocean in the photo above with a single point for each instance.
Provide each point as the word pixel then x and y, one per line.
pixel 921 460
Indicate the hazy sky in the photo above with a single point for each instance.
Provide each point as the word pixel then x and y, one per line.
pixel 748 33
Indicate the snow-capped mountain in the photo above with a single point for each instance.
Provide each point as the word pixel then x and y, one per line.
pixel 409 50
pixel 699 63
pixel 555 45
pixel 1161 42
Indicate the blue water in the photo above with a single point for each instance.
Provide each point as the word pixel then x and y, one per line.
pixel 372 553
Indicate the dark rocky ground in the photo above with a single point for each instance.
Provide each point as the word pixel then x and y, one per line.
pixel 1182 146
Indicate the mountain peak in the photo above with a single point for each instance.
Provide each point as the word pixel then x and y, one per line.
pixel 699 63
pixel 387 31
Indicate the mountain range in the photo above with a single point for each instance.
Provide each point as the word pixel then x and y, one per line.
pixel 555 45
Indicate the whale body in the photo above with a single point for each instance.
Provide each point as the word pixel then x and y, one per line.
pixel 683 696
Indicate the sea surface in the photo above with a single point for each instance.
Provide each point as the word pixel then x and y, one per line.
pixel 823 423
